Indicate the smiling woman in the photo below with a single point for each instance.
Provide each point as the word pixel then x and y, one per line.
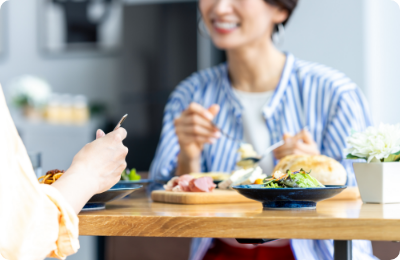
pixel 256 20
pixel 260 96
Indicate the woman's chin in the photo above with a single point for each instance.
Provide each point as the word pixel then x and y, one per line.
pixel 225 44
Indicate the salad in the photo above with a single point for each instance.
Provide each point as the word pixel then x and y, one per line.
pixel 298 179
pixel 130 175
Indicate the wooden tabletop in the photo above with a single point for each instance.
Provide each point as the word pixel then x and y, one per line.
pixel 341 220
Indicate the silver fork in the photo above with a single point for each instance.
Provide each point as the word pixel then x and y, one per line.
pixel 267 151
pixel 226 135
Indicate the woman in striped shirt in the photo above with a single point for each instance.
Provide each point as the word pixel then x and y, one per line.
pixel 261 96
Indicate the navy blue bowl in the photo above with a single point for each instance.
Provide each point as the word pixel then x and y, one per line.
pixel 118 191
pixel 288 198
pixel 142 181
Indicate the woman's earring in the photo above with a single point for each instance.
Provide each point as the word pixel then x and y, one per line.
pixel 279 35
pixel 203 29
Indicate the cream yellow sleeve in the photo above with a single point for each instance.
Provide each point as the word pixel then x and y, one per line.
pixel 35 220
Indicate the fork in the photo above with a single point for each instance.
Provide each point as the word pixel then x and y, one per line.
pixel 227 135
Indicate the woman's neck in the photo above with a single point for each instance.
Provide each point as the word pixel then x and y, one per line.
pixel 256 67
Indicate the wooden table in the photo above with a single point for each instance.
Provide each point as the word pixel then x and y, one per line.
pixel 340 220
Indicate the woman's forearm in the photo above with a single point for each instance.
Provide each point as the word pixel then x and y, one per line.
pixel 75 190
pixel 187 165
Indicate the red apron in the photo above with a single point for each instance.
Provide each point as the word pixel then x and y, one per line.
pixel 223 251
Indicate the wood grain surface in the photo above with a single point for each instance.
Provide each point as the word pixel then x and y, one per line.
pixel 350 193
pixel 226 196
pixel 334 219
pixel 215 197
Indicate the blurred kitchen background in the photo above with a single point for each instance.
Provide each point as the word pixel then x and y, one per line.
pixel 91 61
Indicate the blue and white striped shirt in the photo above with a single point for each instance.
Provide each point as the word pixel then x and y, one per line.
pixel 308 94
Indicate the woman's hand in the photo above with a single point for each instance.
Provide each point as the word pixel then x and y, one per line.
pixel 194 128
pixel 94 169
pixel 302 143
pixel 103 160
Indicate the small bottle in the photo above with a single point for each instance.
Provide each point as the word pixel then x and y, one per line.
pixel 80 109
pixel 53 109
pixel 66 113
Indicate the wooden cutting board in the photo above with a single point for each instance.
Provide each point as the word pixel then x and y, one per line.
pixel 215 197
pixel 350 193
pixel 226 196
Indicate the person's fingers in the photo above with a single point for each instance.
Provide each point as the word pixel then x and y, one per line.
pixel 121 168
pixel 281 148
pixel 203 140
pixel 189 138
pixel 118 135
pixel 100 133
pixel 214 109
pixel 304 148
pixel 196 120
pixel 306 136
pixel 293 140
pixel 285 147
pixel 198 131
pixel 287 137
pixel 124 151
pixel 282 154
pixel 195 108
pixel 122 132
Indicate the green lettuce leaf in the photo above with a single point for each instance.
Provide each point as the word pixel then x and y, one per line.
pixel 273 185
pixel 352 157
pixel 306 181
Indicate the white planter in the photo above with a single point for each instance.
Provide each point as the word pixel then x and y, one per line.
pixel 378 182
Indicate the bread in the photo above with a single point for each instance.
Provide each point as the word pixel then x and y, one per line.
pixel 327 170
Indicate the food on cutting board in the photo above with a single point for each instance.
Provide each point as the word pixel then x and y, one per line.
pixel 326 170
pixel 130 175
pixel 216 176
pixel 188 183
pixel 243 177
pixel 246 151
pixel 297 179
pixel 51 176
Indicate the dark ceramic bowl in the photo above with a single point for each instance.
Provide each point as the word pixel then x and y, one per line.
pixel 118 191
pixel 141 182
pixel 288 198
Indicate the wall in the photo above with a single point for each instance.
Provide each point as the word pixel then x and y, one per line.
pixel 95 77
pixel 331 33
pixel 382 26
pixel 360 38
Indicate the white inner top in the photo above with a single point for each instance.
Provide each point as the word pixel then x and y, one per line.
pixel 254 125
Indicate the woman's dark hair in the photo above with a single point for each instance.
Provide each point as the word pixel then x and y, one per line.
pixel 288 5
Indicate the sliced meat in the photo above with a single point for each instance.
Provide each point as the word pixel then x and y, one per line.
pixel 203 184
pixel 177 188
pixel 171 184
pixel 184 182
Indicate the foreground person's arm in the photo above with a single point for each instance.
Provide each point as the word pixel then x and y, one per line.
pixel 40 220
pixel 95 169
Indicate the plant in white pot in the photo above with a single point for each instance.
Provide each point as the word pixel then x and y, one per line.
pixel 379 177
